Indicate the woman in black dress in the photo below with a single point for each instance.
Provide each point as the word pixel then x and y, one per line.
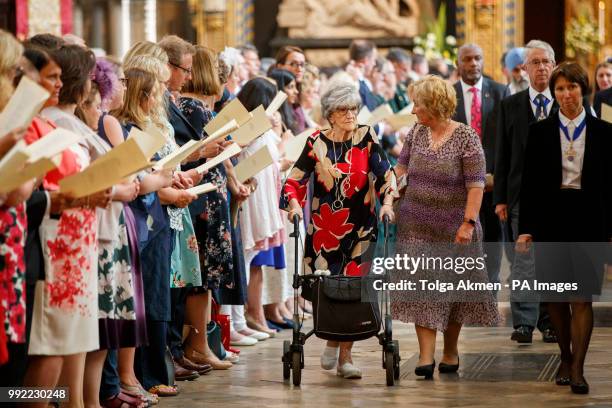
pixel 565 208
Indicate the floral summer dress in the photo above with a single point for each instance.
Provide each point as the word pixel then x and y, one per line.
pixel 211 211
pixel 66 302
pixel 185 262
pixel 342 231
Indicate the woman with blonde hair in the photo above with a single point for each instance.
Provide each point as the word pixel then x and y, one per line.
pixel 444 165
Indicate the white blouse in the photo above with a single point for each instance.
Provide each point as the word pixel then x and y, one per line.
pixel 572 169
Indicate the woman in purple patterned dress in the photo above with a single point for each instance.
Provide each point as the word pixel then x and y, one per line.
pixel 444 165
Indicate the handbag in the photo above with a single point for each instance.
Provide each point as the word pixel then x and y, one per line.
pixel 339 312
pixel 224 323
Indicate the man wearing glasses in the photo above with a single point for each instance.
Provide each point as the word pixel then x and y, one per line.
pixel 516 113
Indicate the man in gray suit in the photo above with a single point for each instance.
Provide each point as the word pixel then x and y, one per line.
pixel 478 100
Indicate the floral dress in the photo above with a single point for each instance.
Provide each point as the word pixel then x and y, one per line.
pixel 66 302
pixel 185 262
pixel 211 212
pixel 343 227
pixel 12 273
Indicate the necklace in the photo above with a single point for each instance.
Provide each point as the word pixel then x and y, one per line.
pixel 445 135
pixel 341 187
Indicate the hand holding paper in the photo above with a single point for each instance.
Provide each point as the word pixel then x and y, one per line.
pixel 228 152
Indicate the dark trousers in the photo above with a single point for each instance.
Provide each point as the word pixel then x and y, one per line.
pixel 178 297
pixel 492 237
pixel 110 385
pixel 150 362
pixel 524 313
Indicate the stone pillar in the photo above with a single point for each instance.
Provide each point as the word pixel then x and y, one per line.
pixel 495 25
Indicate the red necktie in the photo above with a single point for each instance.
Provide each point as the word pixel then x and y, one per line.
pixel 476 112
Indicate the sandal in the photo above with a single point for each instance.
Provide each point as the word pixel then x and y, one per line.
pixel 122 400
pixel 138 391
pixel 164 390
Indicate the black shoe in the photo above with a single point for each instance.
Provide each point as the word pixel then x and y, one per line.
pixel 561 379
pixel 522 334
pixel 580 387
pixel 549 336
pixel 448 368
pixel 426 370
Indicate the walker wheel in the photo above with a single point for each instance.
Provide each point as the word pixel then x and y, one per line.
pixel 296 366
pixel 389 368
pixel 286 360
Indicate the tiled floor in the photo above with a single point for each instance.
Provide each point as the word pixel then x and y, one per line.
pixel 257 379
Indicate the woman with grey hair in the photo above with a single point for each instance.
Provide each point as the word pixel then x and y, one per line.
pixel 343 226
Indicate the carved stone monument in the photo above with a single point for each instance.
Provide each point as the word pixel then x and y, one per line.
pixel 349 19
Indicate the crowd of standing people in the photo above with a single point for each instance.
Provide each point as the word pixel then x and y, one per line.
pixel 121 293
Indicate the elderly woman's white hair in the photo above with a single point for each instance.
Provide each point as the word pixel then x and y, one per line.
pixel 232 57
pixel 340 95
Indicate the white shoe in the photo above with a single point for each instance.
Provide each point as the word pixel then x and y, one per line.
pixel 257 335
pixel 231 357
pixel 237 339
pixel 329 358
pixel 348 371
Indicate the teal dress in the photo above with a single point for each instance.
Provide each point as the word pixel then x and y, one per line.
pixel 185 261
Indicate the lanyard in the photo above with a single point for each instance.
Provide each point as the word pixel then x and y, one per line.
pixel 577 131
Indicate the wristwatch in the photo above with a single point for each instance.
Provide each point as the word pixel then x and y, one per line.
pixel 470 221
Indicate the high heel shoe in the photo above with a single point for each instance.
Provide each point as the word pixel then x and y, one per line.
pixel 448 368
pixel 426 370
pixel 580 387
pixel 201 358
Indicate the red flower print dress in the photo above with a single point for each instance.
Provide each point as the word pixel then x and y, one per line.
pixel 12 276
pixel 65 315
pixel 349 176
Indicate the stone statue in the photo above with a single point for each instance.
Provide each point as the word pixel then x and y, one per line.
pixel 343 19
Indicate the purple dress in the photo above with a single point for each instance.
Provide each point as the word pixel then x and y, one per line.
pixel 430 213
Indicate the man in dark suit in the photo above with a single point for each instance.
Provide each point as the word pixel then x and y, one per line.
pixel 604 96
pixel 363 58
pixel 478 100
pixel 516 113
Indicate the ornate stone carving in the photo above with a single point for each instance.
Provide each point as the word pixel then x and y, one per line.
pixel 344 19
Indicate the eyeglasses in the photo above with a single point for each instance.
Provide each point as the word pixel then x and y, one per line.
pixel 537 62
pixel 185 70
pixel 296 64
pixel 346 111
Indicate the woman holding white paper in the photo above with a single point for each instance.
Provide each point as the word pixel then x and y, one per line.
pixel 211 213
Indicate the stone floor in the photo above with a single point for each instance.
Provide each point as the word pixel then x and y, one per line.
pixel 486 378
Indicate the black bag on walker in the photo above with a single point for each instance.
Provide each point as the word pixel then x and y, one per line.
pixel 338 310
